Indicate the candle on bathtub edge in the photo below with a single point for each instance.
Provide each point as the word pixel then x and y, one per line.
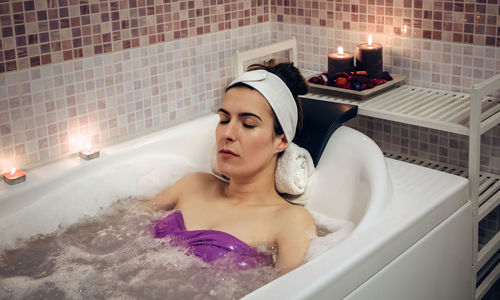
pixel 340 62
pixel 369 58
pixel 15 176
pixel 88 153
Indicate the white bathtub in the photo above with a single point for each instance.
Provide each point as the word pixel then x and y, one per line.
pixel 412 238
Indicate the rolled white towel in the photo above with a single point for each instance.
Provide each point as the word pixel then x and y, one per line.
pixel 293 172
pixel 300 199
pixel 292 176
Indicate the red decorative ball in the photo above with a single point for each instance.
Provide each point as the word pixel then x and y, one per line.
pixel 340 82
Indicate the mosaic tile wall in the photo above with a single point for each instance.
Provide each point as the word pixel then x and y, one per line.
pixel 41 32
pixel 462 21
pixel 72 63
pixel 53 111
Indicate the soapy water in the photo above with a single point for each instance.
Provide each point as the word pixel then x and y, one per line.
pixel 113 255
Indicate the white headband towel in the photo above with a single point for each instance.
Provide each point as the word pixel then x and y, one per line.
pixel 277 94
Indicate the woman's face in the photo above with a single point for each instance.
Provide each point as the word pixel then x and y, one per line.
pixel 246 143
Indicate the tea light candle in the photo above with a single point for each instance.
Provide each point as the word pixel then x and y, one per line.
pixel 15 176
pixel 90 152
pixel 369 58
pixel 340 62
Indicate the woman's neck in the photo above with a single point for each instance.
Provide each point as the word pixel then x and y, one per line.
pixel 258 188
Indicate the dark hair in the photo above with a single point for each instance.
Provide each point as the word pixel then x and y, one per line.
pixel 291 76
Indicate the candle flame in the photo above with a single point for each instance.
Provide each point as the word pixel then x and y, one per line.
pixel 370 39
pixel 341 51
pixel 12 171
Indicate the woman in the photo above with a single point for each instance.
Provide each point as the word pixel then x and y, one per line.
pixel 258 119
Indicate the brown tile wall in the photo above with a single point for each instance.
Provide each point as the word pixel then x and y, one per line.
pixel 461 21
pixel 41 32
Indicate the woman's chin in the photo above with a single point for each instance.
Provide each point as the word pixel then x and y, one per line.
pixel 223 169
pixel 229 171
pixel 225 172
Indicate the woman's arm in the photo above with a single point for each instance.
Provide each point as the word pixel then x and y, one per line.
pixel 168 198
pixel 296 231
pixel 164 200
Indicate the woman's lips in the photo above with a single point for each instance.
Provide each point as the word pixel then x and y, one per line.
pixel 227 153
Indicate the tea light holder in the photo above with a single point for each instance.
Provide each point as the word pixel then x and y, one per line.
pixel 15 176
pixel 88 153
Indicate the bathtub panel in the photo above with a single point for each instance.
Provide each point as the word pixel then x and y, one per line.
pixel 437 267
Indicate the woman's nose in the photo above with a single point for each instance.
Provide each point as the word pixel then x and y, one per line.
pixel 230 131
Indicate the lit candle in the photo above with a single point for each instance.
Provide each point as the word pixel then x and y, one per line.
pixel 88 153
pixel 15 176
pixel 369 58
pixel 340 62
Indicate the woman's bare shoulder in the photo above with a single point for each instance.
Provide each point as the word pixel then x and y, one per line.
pixel 295 217
pixel 193 182
pixel 296 228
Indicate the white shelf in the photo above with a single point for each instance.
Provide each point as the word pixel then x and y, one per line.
pixel 488 282
pixel 431 108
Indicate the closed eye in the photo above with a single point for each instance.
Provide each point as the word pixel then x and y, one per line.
pixel 224 116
